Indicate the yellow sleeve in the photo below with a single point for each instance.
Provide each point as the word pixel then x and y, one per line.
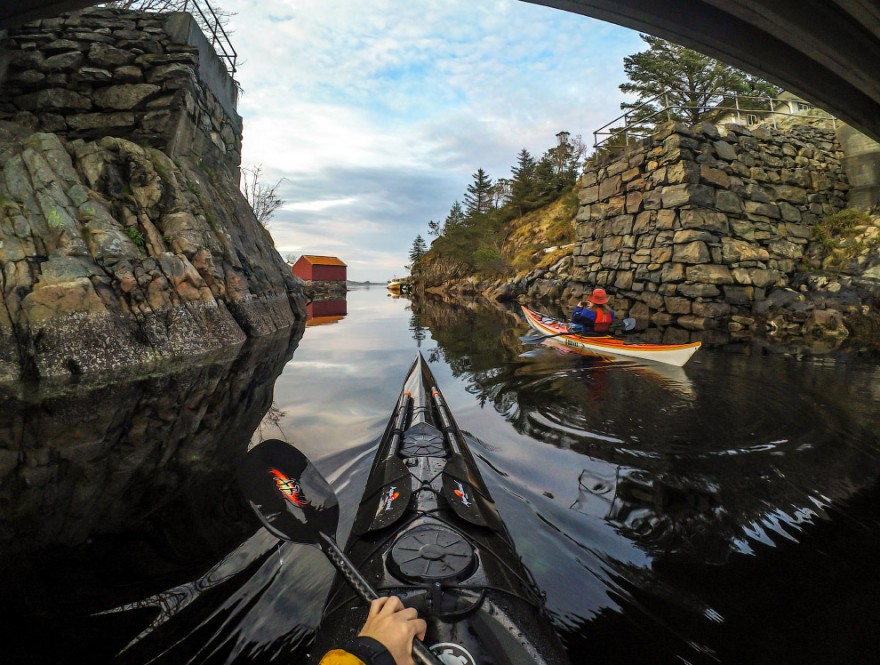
pixel 340 657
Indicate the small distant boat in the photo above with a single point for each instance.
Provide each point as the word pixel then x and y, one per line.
pixel 608 346
pixel 398 284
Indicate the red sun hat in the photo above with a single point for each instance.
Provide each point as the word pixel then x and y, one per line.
pixel 598 297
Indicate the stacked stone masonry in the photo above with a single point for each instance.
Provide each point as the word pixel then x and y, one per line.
pixel 110 72
pixel 695 227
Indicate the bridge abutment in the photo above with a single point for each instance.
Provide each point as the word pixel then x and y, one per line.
pixel 153 79
pixel 862 165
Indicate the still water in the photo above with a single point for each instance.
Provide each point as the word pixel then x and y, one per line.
pixel 726 512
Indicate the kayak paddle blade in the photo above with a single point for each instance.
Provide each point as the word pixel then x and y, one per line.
pixel 461 493
pixel 390 500
pixel 287 492
pixel 626 325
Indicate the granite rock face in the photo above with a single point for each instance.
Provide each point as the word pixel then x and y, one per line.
pixel 114 255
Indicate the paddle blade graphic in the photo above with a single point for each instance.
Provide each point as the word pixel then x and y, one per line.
pixel 288 494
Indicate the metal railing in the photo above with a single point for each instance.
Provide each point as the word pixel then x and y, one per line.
pixel 750 108
pixel 210 23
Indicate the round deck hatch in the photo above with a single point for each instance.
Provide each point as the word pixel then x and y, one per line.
pixel 430 553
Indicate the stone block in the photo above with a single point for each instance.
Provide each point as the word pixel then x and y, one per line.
pixel 739 295
pixel 125 96
pixel 102 55
pixel 736 251
pixel 715 177
pixel 786 249
pixel 616 205
pixel 712 310
pixel 675 305
pixel 725 151
pixel 795 195
pixel 643 222
pixel 610 187
pixel 667 219
pixel 709 274
pixel 634 202
pixel 691 322
pixel 588 195
pixel 87 121
pixel 53 99
pixel 623 279
pixel 672 273
pixel 661 255
pixel 692 290
pixel 727 201
pixel 769 210
pixel 683 172
pixel 708 220
pixel 692 252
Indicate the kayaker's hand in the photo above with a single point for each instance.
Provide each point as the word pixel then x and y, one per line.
pixel 395 626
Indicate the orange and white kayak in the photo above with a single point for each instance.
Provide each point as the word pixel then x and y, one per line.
pixel 608 346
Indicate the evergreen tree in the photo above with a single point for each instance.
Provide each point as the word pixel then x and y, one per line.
pixel 565 158
pixel 522 186
pixel 687 83
pixel 418 249
pixel 478 198
pixel 434 228
pixel 455 219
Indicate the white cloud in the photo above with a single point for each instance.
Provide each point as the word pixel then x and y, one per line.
pixel 375 114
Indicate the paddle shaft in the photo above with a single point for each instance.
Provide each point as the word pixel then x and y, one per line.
pixel 421 653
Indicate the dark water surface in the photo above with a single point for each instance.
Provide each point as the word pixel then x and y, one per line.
pixel 726 512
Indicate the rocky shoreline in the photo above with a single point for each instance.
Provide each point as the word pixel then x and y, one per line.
pixel 115 255
pixel 713 234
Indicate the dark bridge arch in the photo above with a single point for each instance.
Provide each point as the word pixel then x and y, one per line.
pixel 826 51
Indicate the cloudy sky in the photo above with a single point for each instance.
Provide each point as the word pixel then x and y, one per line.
pixel 374 115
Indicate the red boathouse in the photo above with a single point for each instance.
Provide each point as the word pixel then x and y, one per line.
pixel 313 268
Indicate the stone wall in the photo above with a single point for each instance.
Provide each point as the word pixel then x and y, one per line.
pixel 125 241
pixel 693 228
pixel 107 72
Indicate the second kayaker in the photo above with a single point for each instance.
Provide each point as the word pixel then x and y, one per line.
pixel 385 639
pixel 592 315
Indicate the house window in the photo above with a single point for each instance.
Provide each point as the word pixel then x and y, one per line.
pixel 803 107
pixel 751 119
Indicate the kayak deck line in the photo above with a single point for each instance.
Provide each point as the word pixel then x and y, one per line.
pixel 608 346
pixel 428 531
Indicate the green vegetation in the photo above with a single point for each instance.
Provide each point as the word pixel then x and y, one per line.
pixel 137 238
pixel 53 219
pixel 842 236
pixel 689 84
pixel 418 249
pixel 477 234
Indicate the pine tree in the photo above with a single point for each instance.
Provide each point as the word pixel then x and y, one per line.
pixel 522 186
pixel 478 198
pixel 418 249
pixel 455 219
pixel 687 84
pixel 434 229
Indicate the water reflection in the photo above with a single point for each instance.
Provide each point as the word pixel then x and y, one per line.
pixel 324 312
pixel 741 455
pixel 113 492
pixel 668 518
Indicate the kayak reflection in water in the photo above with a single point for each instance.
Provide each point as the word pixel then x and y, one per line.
pixel 385 639
pixel 592 315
